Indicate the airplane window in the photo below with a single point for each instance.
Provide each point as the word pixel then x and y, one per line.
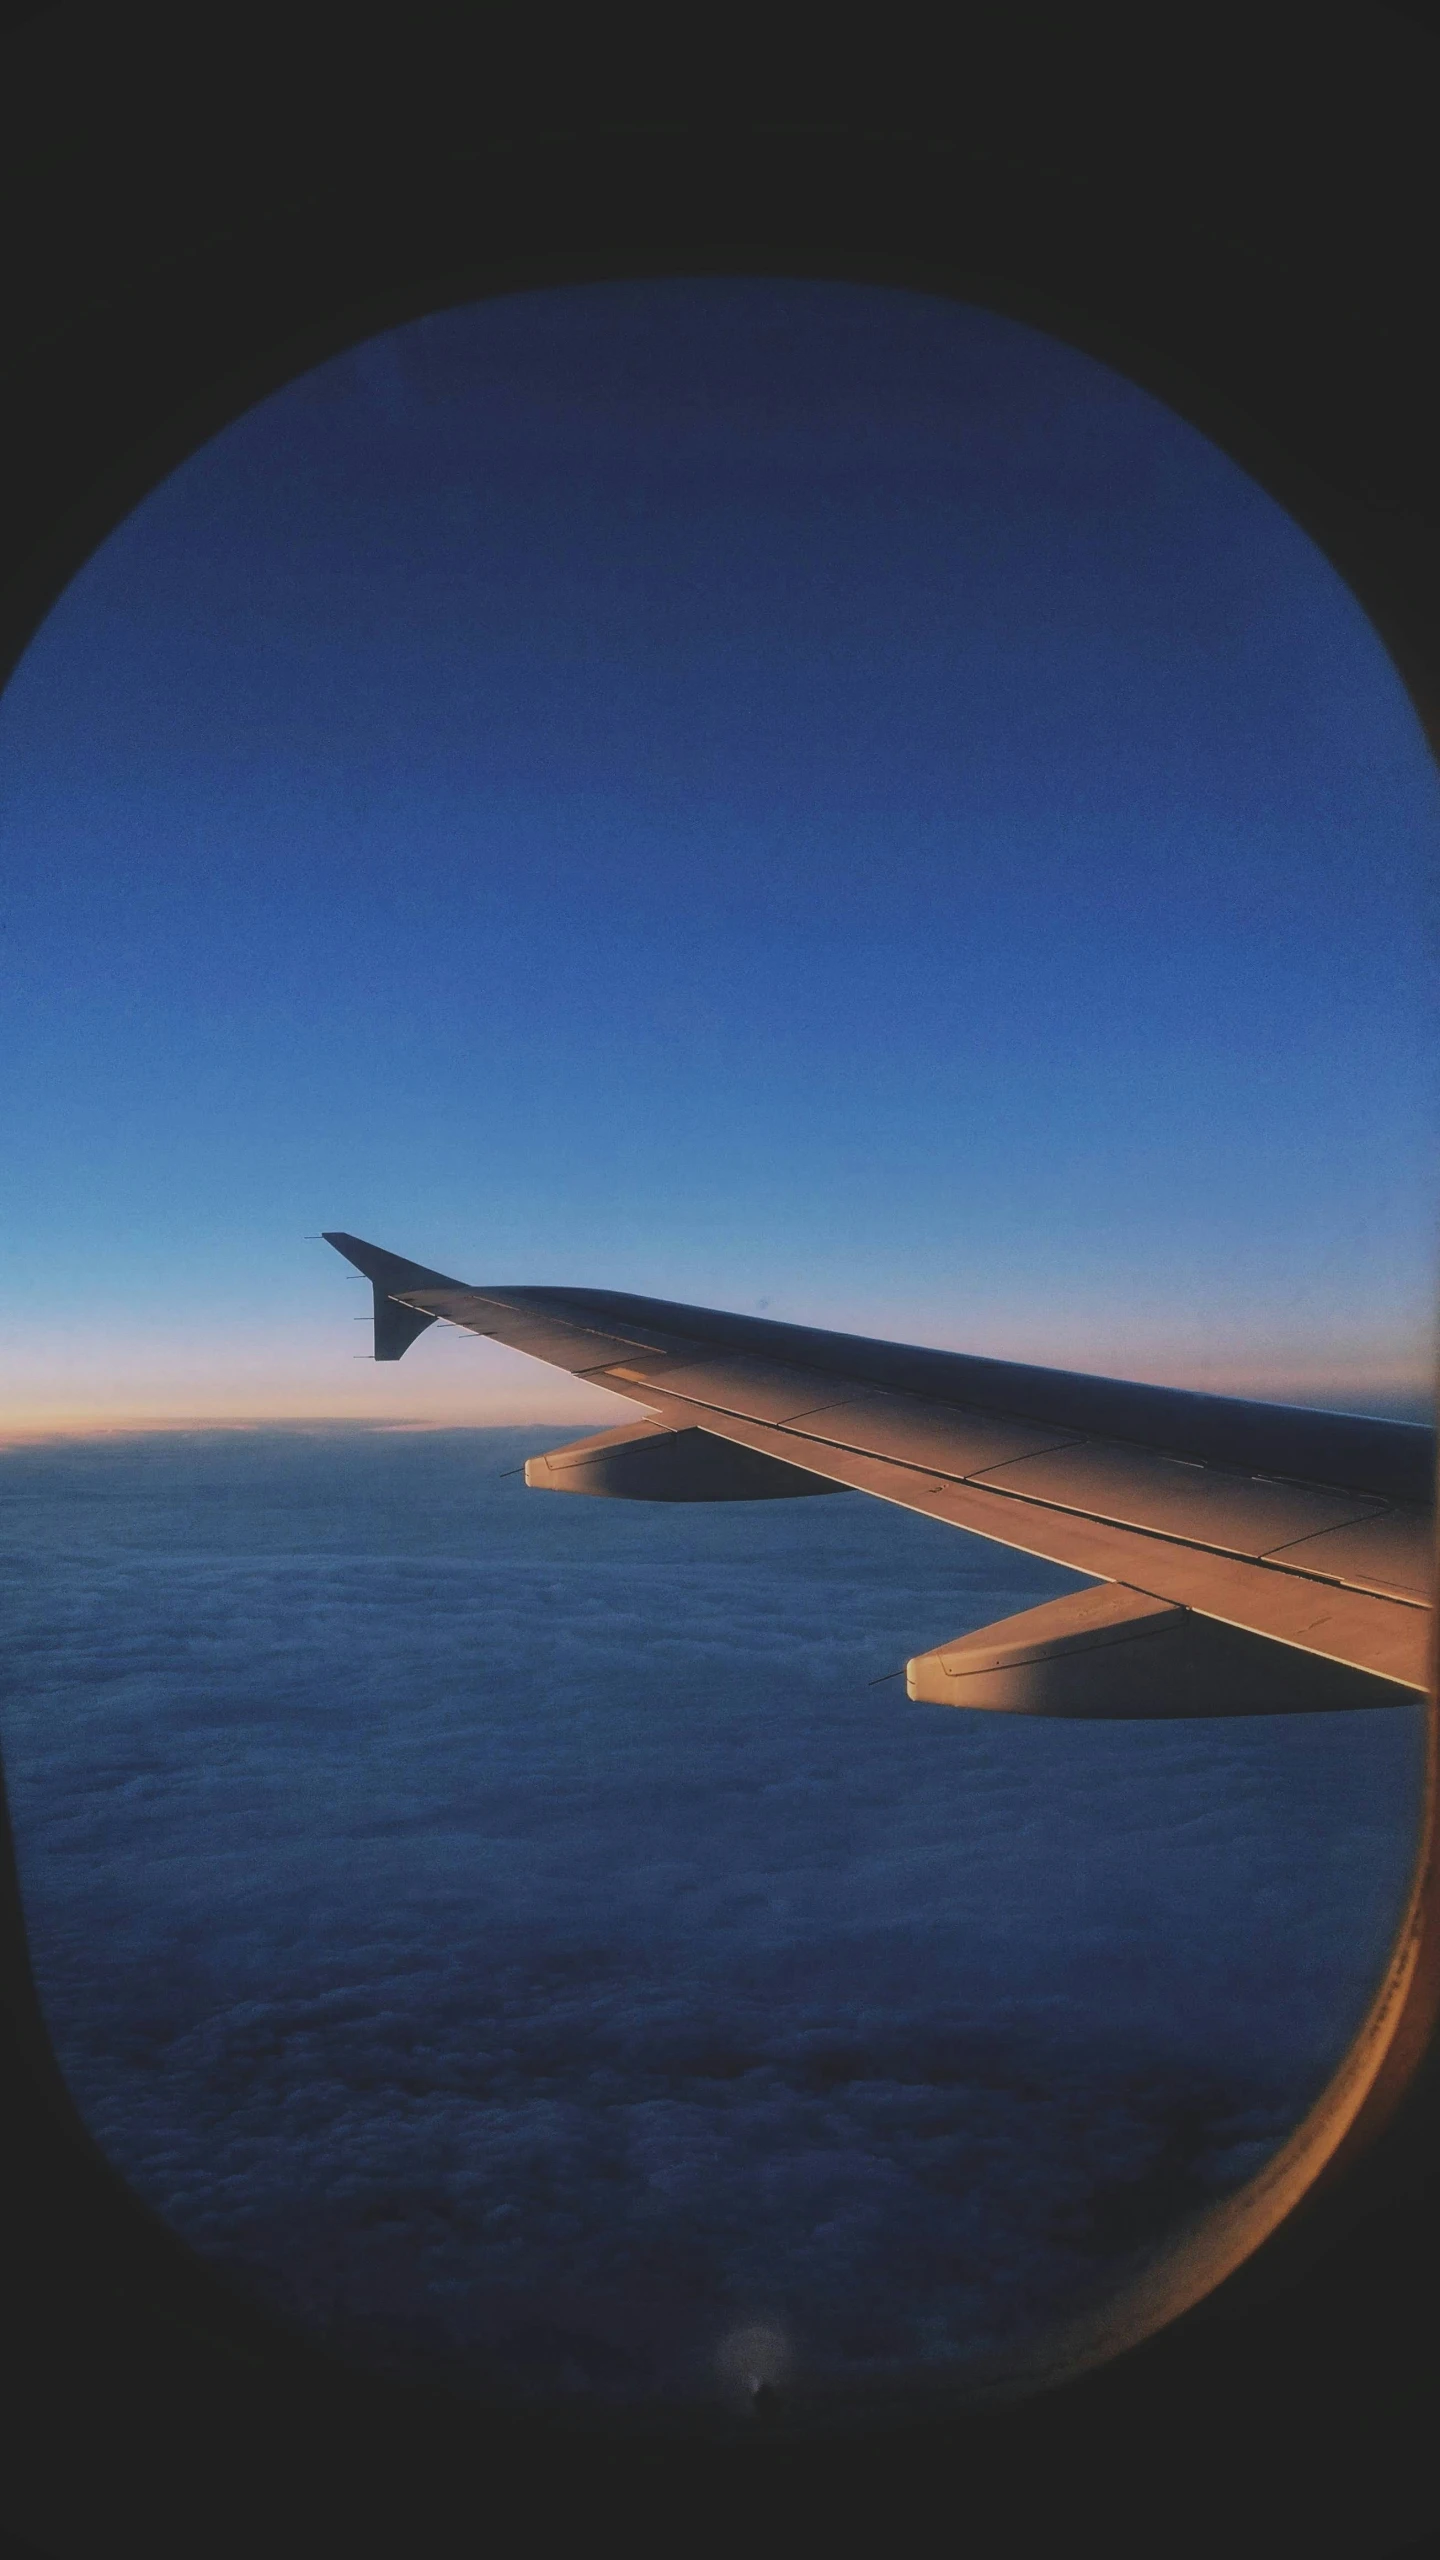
pixel 786 796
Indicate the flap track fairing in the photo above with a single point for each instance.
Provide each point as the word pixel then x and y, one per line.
pixel 646 1462
pixel 1113 1652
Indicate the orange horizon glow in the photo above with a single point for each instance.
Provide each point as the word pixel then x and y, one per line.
pixel 558 1400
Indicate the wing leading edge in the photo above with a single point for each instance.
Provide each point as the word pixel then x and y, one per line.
pixel 1262 1558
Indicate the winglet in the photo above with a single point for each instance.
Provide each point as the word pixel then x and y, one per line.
pixel 396 1326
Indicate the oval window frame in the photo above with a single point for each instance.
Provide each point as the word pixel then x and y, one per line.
pixel 1362 2150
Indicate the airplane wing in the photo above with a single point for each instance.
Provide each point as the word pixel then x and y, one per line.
pixel 1250 1558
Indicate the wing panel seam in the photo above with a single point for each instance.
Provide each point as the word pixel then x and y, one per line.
pixel 1102 1519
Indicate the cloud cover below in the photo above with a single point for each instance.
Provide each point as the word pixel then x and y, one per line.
pixel 513 1936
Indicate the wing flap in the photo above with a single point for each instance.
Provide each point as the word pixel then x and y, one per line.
pixel 929 1435
pixel 1394 1554
pixel 1249 1516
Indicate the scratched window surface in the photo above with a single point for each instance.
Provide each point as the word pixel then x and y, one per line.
pixel 785 796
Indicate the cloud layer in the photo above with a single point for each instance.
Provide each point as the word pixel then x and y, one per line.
pixel 512 1935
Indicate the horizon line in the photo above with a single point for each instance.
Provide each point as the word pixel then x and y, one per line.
pixel 1330 1395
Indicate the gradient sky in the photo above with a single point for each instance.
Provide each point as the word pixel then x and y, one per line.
pixel 782 794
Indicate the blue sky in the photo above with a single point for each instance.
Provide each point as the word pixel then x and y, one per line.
pixel 774 793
